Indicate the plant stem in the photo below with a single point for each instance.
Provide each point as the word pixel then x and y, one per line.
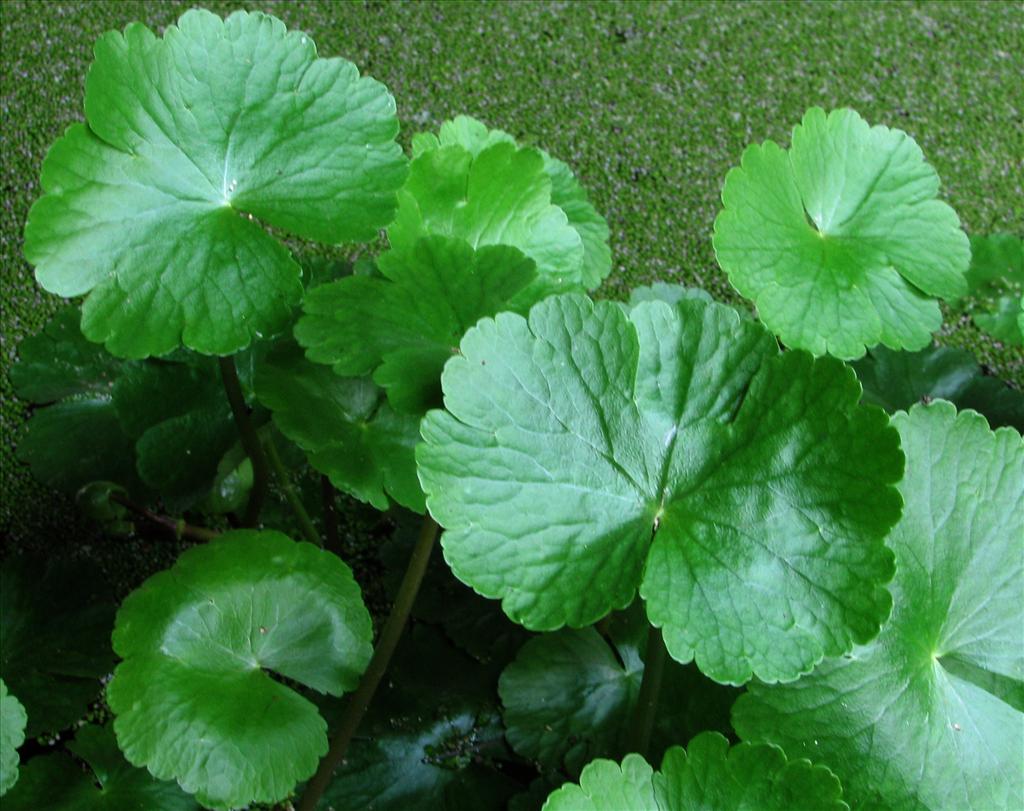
pixel 360 699
pixel 638 738
pixel 327 494
pixel 308 529
pixel 250 440
pixel 175 525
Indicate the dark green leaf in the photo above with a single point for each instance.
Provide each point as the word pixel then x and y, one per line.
pixel 12 735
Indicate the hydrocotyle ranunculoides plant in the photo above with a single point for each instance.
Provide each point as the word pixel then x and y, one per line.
pixel 995 280
pixel 193 698
pixel 587 452
pixel 706 775
pixel 840 241
pixel 153 208
pixel 928 715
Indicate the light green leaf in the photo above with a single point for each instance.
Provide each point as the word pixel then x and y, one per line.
pixel 55 621
pixel 12 735
pixel 346 429
pixel 404 325
pixel 56 783
pixel 929 715
pixel 77 438
pixel 566 191
pixel 501 196
pixel 706 775
pixel 841 242
pixel 191 698
pixel 995 280
pixel 671 294
pixel 154 207
pixel 585 453
pixel 897 380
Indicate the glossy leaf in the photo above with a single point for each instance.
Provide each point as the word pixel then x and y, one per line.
pixel 706 775
pixel 929 715
pixel 77 437
pixel 404 325
pixel 191 698
pixel 840 241
pixel 897 380
pixel 55 621
pixel 56 783
pixel 568 696
pixel 343 424
pixel 586 453
pixel 432 738
pixel 500 195
pixel 12 735
pixel 153 208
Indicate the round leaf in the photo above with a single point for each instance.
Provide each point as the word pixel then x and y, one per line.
pixel 706 775
pixel 193 139
pixel 404 326
pixel 585 453
pixel 192 700
pixel 897 380
pixel 12 735
pixel 55 622
pixel 930 714
pixel 840 241
pixel 56 783
pixel 348 433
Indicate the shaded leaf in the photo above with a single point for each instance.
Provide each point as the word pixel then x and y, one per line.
pixel 12 735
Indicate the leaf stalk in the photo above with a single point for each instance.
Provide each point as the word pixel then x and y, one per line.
pixel 638 738
pixel 250 440
pixel 177 526
pixel 360 700
pixel 281 472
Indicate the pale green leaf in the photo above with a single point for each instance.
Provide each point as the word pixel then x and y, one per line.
pixel 586 452
pixel 841 242
pixel 995 297
pixel 153 209
pixel 929 715
pixel 193 698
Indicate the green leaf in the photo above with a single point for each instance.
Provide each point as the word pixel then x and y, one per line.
pixel 995 280
pixel 192 700
pixel 566 191
pixel 343 424
pixel 12 735
pixel 930 714
pixel 501 196
pixel 55 621
pixel 403 326
pixel 77 438
pixel 841 242
pixel 568 696
pixel 56 783
pixel 216 127
pixel 182 423
pixel 585 453
pixel 897 380
pixel 671 294
pixel 706 775
pixel 431 740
